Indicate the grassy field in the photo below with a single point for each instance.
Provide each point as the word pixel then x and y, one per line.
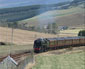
pixel 14 49
pixel 64 61
pixel 71 31
pixel 23 39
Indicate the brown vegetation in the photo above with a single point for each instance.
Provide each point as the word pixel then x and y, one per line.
pixel 24 37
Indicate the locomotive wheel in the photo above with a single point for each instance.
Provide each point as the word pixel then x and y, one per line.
pixel 45 49
pixel 41 49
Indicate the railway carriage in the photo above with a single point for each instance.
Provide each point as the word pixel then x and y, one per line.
pixel 76 41
pixel 82 40
pixel 45 44
pixel 68 41
pixel 60 42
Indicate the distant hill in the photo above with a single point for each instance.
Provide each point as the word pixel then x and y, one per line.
pixel 67 17
pixel 25 12
pixel 77 2
pixel 17 3
pixel 20 13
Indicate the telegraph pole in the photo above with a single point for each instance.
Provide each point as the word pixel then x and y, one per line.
pixel 12 34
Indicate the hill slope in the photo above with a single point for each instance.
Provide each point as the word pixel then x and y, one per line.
pixel 67 17
pixel 15 3
pixel 24 12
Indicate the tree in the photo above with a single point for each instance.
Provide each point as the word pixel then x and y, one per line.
pixel 81 33
pixel 49 27
pixel 54 28
pixel 15 24
pixel 12 24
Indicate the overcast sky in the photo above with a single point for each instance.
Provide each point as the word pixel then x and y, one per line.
pixel 14 3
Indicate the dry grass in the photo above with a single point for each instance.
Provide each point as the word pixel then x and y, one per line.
pixel 29 66
pixel 21 36
pixel 23 39
pixel 27 37
pixel 71 31
pixel 14 49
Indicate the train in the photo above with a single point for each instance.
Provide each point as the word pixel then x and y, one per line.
pixel 46 44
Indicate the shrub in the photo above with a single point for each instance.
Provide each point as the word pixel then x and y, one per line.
pixel 81 33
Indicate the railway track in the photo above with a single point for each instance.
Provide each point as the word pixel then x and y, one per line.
pixel 17 57
pixel 67 50
pixel 21 56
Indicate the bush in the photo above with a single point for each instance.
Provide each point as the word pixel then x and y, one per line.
pixel 81 33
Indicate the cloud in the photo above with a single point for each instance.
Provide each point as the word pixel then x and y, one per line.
pixel 13 3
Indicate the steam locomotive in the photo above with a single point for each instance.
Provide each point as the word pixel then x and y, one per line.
pixel 45 44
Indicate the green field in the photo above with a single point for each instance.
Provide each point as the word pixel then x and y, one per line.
pixel 14 49
pixel 64 61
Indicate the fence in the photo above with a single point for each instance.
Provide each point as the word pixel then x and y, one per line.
pixel 10 63
pixel 23 64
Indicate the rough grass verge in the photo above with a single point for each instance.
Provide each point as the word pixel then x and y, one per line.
pixel 14 49
pixel 63 61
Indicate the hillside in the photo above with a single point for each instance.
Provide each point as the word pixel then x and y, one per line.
pixel 25 12
pixel 68 17
pixel 16 3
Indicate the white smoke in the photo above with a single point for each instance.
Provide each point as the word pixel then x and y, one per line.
pixel 47 17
